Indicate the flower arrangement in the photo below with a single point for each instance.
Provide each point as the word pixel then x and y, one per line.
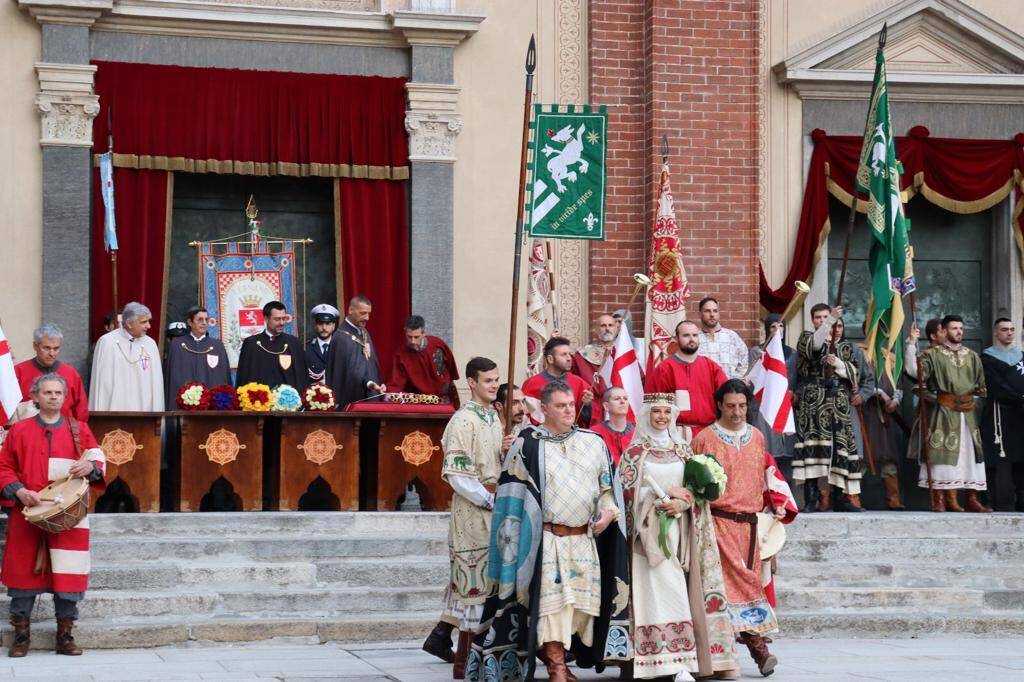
pixel 705 478
pixel 254 397
pixel 412 398
pixel 319 398
pixel 223 397
pixel 284 398
pixel 193 396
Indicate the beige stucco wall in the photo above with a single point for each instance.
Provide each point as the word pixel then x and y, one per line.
pixel 489 67
pixel 21 221
pixel 789 27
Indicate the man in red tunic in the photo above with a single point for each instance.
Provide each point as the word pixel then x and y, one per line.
pixel 46 341
pixel 616 430
pixel 557 367
pixel 424 364
pixel 588 360
pixel 691 377
pixel 37 452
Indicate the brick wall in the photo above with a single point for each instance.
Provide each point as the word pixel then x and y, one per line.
pixel 687 68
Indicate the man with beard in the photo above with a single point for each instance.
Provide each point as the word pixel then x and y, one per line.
pixel 558 367
pixel 955 376
pixel 519 420
pixel 273 357
pixel 325 323
pixel 722 345
pixel 588 360
pixel 424 364
pixel 691 377
pixel 353 370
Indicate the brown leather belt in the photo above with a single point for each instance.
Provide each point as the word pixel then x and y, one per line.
pixel 562 531
pixel 958 403
pixel 490 487
pixel 742 517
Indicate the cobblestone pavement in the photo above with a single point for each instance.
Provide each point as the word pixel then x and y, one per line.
pixel 801 660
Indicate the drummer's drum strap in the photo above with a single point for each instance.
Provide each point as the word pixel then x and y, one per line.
pixel 43 551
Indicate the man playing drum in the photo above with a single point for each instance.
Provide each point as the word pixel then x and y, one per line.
pixel 46 448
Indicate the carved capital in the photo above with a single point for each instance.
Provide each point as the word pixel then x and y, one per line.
pixel 75 12
pixel 432 121
pixel 66 104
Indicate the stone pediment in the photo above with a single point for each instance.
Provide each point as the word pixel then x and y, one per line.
pixel 935 50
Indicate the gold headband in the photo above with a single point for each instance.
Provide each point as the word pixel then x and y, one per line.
pixel 660 399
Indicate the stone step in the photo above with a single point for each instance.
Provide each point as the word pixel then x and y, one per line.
pixel 910 548
pixel 366 572
pixel 897 623
pixel 1005 575
pixel 906 524
pixel 866 599
pixel 291 601
pixel 243 525
pixel 166 631
pixel 147 550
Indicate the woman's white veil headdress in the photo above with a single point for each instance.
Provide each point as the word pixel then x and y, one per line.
pixel 643 421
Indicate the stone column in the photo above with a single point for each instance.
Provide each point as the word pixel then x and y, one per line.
pixel 67 106
pixel 433 123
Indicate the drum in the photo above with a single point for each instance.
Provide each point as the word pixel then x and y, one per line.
pixel 64 504
pixel 771 533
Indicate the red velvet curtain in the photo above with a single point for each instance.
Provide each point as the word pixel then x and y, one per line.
pixel 962 176
pixel 375 256
pixel 140 204
pixel 171 118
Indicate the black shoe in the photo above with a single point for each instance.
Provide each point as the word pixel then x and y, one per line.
pixel 439 642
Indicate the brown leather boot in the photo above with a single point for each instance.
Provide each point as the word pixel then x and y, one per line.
pixel 461 654
pixel 65 642
pixel 892 493
pixel 439 642
pixel 938 501
pixel 758 648
pixel 554 659
pixel 824 497
pixel 975 505
pixel 853 502
pixel 22 637
pixel 951 502
pixel 568 672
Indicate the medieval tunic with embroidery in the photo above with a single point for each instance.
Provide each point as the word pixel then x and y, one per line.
pixel 126 374
pixel 586 362
pixel 825 444
pixel 743 456
pixel 616 441
pixel 272 361
pixel 351 363
pixel 680 620
pixel 430 370
pixel 34 455
pixel 190 359
pixel 727 349
pixel 76 402
pixel 577 485
pixel 955 377
pixel 472 460
pixel 693 384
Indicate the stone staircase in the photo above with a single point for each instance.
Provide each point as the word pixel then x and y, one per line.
pixel 356 577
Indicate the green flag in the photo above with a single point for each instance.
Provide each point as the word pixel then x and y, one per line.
pixel 890 262
pixel 568 180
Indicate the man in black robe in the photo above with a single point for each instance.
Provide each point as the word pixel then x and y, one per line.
pixel 1002 421
pixel 325 323
pixel 273 357
pixel 195 356
pixel 352 367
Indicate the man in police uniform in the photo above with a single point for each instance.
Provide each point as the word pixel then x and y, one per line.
pixel 325 322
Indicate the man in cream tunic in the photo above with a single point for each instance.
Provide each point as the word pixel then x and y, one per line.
pixel 126 373
pixel 472 444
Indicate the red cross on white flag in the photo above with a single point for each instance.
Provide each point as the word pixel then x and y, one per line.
pixel 10 391
pixel 771 386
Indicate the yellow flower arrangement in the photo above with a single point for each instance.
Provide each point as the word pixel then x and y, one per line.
pixel 254 397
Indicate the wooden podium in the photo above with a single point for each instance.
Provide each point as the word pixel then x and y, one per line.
pixel 131 444
pixel 409 451
pixel 215 444
pixel 324 444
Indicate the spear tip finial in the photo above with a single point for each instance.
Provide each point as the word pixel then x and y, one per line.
pixel 882 35
pixel 531 56
pixel 664 147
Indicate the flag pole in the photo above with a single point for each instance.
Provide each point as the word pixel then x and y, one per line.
pixel 113 252
pixel 531 64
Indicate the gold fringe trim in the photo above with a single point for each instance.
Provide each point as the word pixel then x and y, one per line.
pixel 1017 221
pixel 168 219
pixel 320 170
pixel 955 206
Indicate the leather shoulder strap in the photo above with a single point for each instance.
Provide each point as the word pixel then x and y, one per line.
pixel 75 430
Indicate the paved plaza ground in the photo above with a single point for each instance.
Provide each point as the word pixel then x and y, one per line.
pixel 801 660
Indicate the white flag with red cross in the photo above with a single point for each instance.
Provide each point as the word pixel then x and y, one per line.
pixel 622 369
pixel 10 390
pixel 771 386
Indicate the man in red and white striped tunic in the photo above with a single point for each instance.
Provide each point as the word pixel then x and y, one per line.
pixel 38 451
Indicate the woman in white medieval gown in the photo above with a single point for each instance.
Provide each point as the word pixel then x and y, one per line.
pixel 680 622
